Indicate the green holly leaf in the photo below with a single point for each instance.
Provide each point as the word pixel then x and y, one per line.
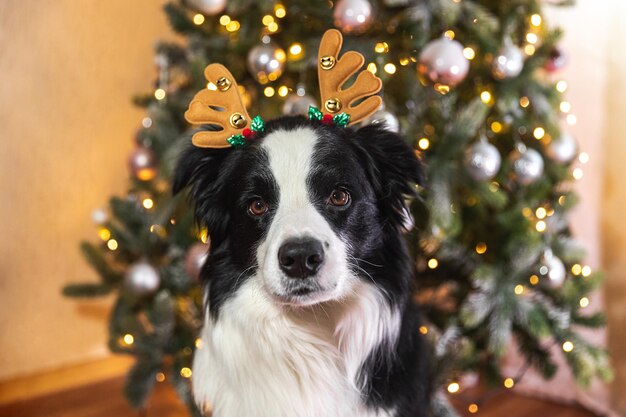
pixel 341 119
pixel 237 141
pixel 315 113
pixel 257 124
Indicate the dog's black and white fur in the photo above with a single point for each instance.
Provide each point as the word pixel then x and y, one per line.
pixel 339 336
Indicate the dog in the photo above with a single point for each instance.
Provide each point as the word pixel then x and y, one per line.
pixel 307 288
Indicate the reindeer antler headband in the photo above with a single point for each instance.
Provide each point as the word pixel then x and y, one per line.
pixel 220 104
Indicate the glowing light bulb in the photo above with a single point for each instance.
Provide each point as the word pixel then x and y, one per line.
pixel 469 53
pixel 390 68
pixel 159 94
pixel 584 302
pixel 577 269
pixel 224 20
pixel 454 387
pixel 577 173
pixel 267 19
pixel 541 213
pixel 539 133
pixel 524 102
pixel 185 372
pixel 586 271
pixel 565 106
pixel 485 96
pixel 423 330
pixel 269 91
pixel 198 19
pixel 568 346
pixel 509 383
pixel 532 37
pixel 535 20
pixel 481 248
pixel 147 203
pixel 583 157
pixel 561 86
pixel 371 67
pixel 473 408
pixel 381 47
pixel 449 34
pixel 160 377
pixel 129 339
pixel 423 143
pixel 112 244
pixel 280 11
pixel 433 263
pixel 104 233
pixel 534 279
pixel 519 289
pixel 272 27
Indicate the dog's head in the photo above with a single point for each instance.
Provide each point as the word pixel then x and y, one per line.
pixel 304 209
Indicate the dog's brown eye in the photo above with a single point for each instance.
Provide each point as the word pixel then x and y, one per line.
pixel 258 207
pixel 339 198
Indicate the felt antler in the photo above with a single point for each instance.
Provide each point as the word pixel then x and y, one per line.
pixel 333 72
pixel 219 104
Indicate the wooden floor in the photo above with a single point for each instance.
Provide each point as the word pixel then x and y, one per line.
pixel 104 399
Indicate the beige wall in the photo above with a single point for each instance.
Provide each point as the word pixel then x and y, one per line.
pixel 75 64
pixel 68 71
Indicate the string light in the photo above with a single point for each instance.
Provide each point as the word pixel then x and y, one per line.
pixel 532 37
pixel 535 20
pixel 423 143
pixel 496 127
pixel 280 11
pixel 485 96
pixel 565 106
pixel 146 122
pixel 147 203
pixel 524 102
pixel 494 186
pixel 454 387
pixel 473 408
pixel 371 67
pixel 539 133
pixel 233 26
pixel 577 269
pixel 185 372
pixel 586 271
pixel 509 383
pixel 433 263
pixel 571 119
pixel 295 51
pixel 583 157
pixel 449 34
pixel 519 289
pixel 541 226
pixel 269 91
pixel 104 233
pixel 404 61
pixel 224 20
pixel 481 248
pixel 568 346
pixel 381 47
pixel 112 244
pixel 541 213
pixel 159 94
pixel 562 200
pixel 561 86
pixel 423 330
pixel 198 19
pixel 198 343
pixel 584 302
pixel 529 49
pixel 272 27
pixel 211 86
pixel 577 173
pixel 283 90
pixel 129 339
pixel 390 68
pixel 534 279
pixel 160 377
pixel 267 19
pixel 469 53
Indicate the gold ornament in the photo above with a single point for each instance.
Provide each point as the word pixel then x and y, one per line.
pixel 223 83
pixel 238 120
pixel 333 105
pixel 327 62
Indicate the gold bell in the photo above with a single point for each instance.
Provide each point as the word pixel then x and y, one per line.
pixel 238 120
pixel 327 62
pixel 333 105
pixel 223 83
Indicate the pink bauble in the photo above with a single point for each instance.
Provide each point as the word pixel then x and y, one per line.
pixel 352 15
pixel 442 62
pixel 195 259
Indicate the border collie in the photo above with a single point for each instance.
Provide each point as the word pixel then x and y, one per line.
pixel 308 309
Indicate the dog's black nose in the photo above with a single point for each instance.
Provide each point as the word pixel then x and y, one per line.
pixel 301 258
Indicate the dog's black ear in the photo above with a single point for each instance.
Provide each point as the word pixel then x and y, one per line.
pixel 204 171
pixel 393 167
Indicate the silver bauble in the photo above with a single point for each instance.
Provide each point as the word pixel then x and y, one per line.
pixel 482 161
pixel 210 7
pixel 142 163
pixel 527 166
pixel 195 259
pixel 562 149
pixel 508 63
pixel 266 62
pixel 442 62
pixel 142 279
pixel 298 105
pixel 352 15
pixel 386 118
pixel 553 269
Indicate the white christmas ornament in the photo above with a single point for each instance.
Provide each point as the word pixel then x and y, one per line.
pixel 142 278
pixel 527 166
pixel 266 62
pixel 562 149
pixel 210 7
pixel 553 268
pixel 298 105
pixel 482 161
pixel 509 62
pixel 442 62
pixel 385 117
pixel 352 15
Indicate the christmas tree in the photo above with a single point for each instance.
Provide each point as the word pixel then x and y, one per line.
pixel 471 85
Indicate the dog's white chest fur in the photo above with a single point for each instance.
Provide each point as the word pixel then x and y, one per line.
pixel 258 360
